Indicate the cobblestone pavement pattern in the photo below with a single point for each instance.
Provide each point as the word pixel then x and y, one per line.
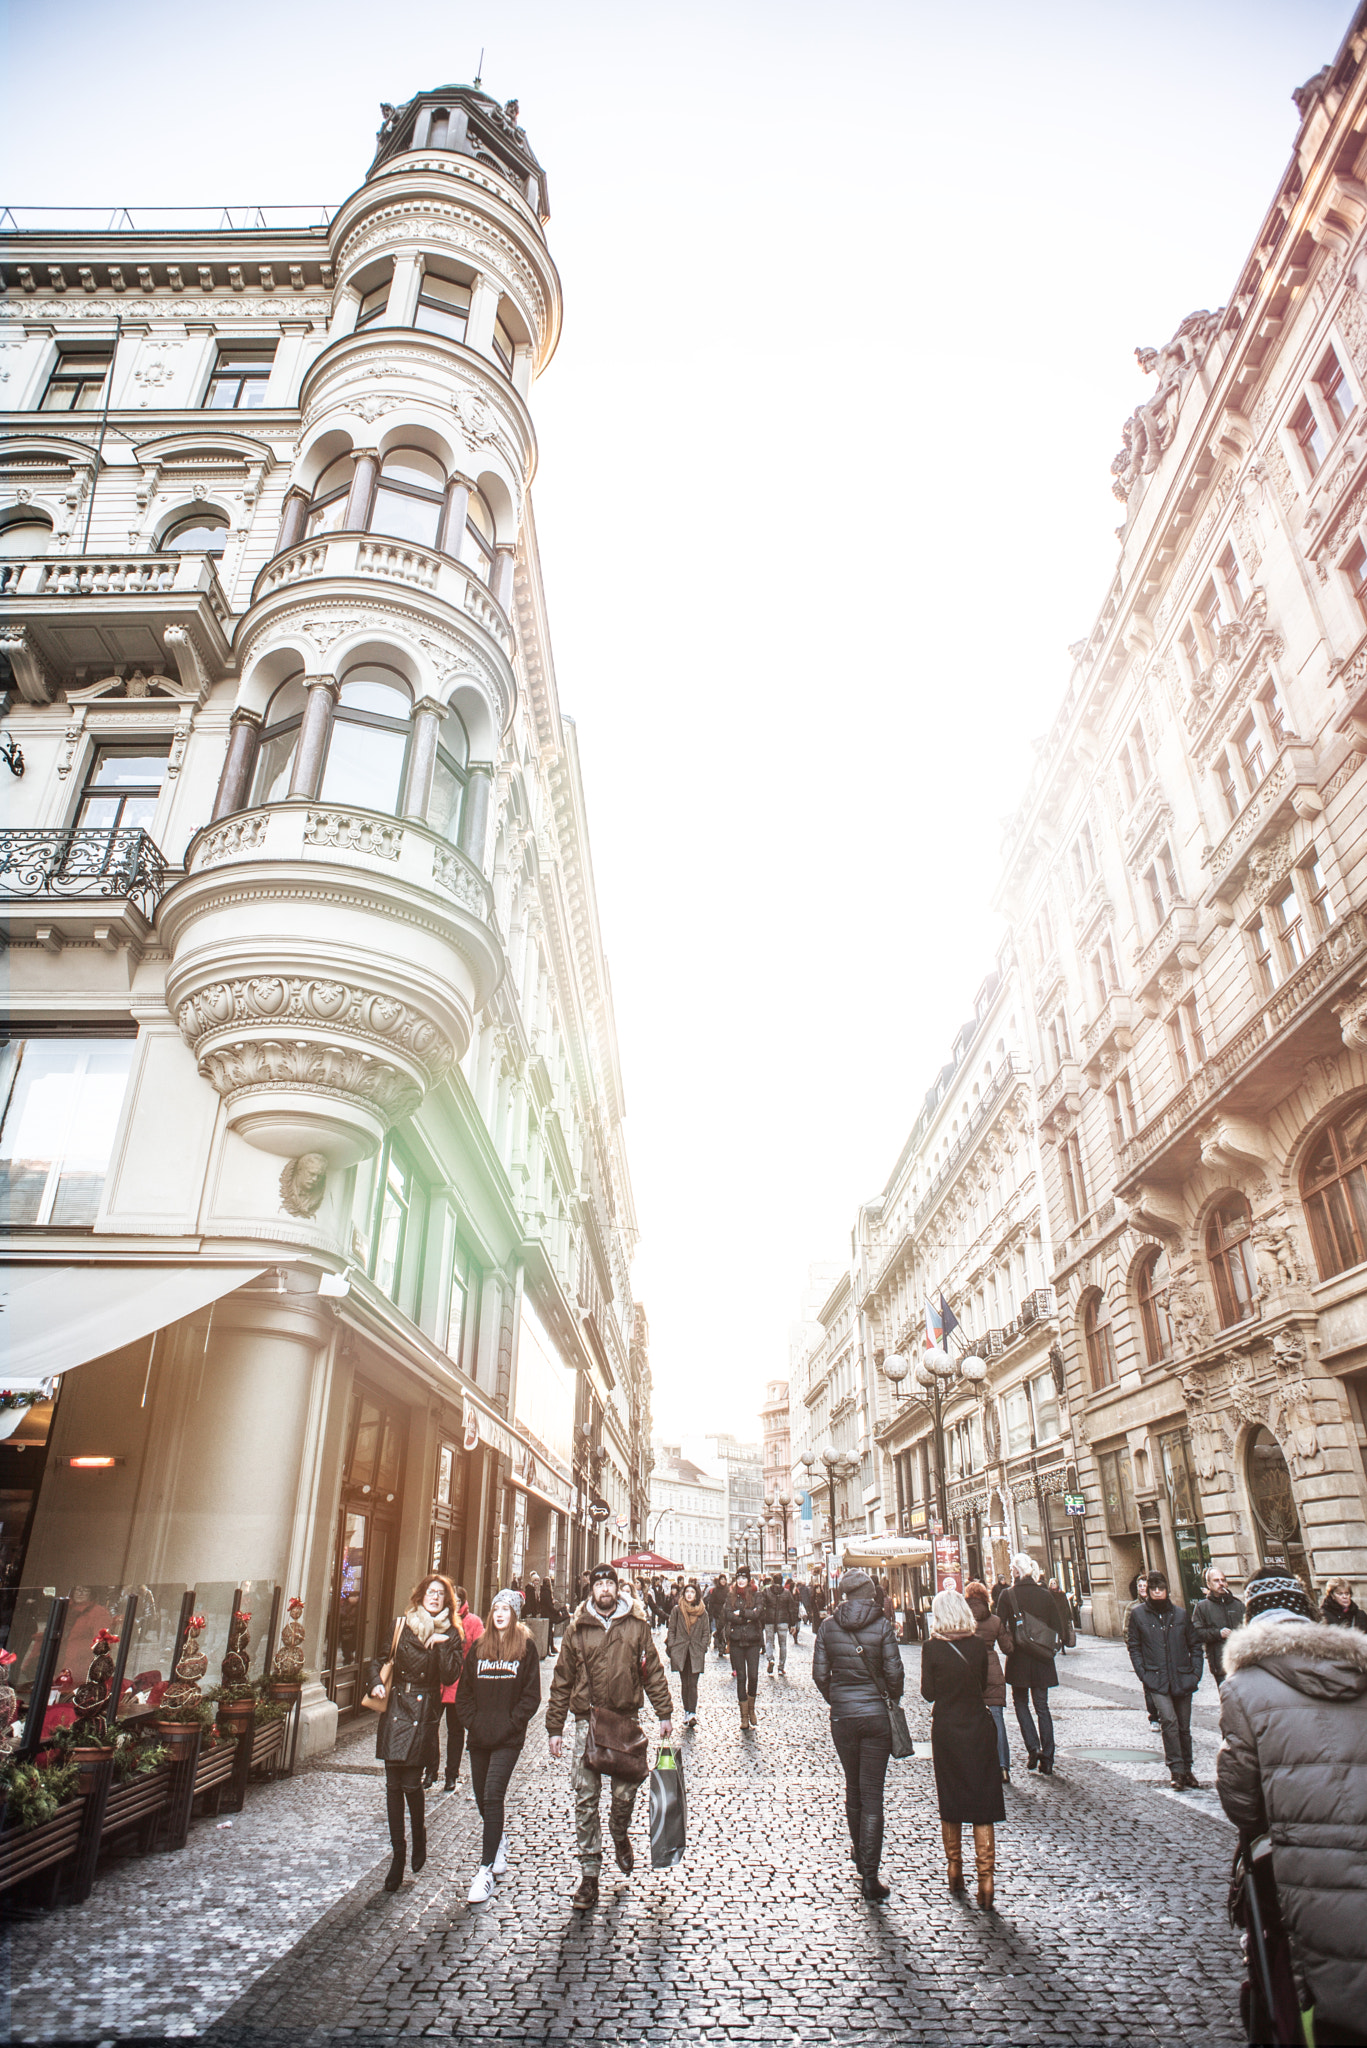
pixel 275 1932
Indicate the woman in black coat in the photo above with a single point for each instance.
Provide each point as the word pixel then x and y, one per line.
pixel 745 1633
pixel 857 1668
pixel 426 1650
pixel 1031 1673
pixel 963 1740
pixel 499 1694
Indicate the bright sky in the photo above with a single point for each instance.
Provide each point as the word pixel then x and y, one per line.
pixel 852 295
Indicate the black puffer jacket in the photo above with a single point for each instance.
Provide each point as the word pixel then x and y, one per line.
pixel 414 1703
pixel 1294 1762
pixel 1163 1647
pixel 1350 1616
pixel 780 1607
pixel 1209 1618
pixel 745 1618
pixel 840 1673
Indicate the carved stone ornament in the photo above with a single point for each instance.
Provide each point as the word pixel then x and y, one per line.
pixel 1353 1021
pixel 1293 1423
pixel 1189 1315
pixel 1207 1444
pixel 1243 1394
pixel 303 1183
pixel 1150 429
pixel 1323 1076
pixel 1268 865
pixel 1278 1265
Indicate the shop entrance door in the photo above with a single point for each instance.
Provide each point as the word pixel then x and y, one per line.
pixel 361 1606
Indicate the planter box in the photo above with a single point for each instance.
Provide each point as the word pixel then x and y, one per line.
pixel 138 1804
pixel 214 1775
pixel 24 1852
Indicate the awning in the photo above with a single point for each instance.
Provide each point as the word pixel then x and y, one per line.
pixel 55 1317
pixel 889 1548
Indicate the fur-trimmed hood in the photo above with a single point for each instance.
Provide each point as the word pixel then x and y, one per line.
pixel 1315 1658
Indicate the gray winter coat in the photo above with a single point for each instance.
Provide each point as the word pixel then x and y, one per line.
pixel 1293 1763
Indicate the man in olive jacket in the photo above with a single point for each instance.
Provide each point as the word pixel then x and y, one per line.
pixel 1293 1765
pixel 607 1659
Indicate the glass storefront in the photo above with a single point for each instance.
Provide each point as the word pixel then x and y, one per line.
pixel 1274 1505
pixel 360 1605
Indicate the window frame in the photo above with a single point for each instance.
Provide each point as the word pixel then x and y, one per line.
pixel 153 746
pixel 1099 1342
pixel 60 379
pixel 247 375
pixel 1155 1321
pixel 376 721
pixel 10 1073
pixel 1229 1258
pixel 1315 1196
pixel 425 494
pixel 433 303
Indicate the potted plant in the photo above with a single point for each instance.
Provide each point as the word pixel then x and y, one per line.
pixel 287 1672
pixel 9 1703
pixel 235 1697
pixel 90 1738
pixel 184 1712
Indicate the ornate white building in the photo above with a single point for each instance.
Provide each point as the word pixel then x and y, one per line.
pixel 687 1512
pixel 1187 882
pixel 317 1202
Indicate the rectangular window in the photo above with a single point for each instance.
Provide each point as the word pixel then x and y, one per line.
pixel 1045 1403
pixel 123 786
pixel 1208 611
pixel 1121 1098
pixel 1185 1036
pixel 239 378
pixel 1117 1492
pixel 1228 567
pixel 1265 962
pixel 373 305
pixel 1160 880
pixel 1016 1408
pixel 1284 910
pixel 443 307
pixel 1354 566
pixel 60 1100
pixel 503 345
pixel 1139 751
pixel 1275 713
pixel 1074 1192
pixel 1310 435
pixel 77 383
pixel 1317 890
pixel 391 1222
pixel 1335 392
pixel 1249 743
pixel 1186 640
pixel 1228 784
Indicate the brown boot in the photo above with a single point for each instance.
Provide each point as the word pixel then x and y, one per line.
pixel 985 1849
pixel 952 1835
pixel 754 1717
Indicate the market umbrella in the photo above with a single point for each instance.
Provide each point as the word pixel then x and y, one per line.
pixel 645 1561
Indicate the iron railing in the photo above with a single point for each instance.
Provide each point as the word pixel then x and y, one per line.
pixel 83 860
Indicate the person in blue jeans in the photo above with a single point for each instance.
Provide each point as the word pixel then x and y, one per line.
pixel 1030 1670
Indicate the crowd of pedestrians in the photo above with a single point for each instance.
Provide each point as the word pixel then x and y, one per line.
pixel 1292 1689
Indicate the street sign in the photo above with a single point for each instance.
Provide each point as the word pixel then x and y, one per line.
pixel 599 1511
pixel 1074 1504
pixel 792 1550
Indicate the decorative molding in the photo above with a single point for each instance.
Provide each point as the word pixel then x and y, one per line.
pixel 355 832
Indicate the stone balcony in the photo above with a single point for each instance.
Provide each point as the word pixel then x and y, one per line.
pixel 362 558
pixel 103 614
pixel 1172 944
pixel 1288 789
pixel 1250 1072
pixel 326 969
pixel 1111 1030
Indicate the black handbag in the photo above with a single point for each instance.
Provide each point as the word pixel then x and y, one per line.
pixel 1032 1635
pixel 898 1731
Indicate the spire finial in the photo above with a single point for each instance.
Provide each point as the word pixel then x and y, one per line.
pixel 479 75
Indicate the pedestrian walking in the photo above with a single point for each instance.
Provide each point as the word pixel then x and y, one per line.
pixel 1293 1766
pixel 857 1668
pixel 1063 1617
pixel 988 1628
pixel 1139 1586
pixel 780 1615
pixel 1339 1609
pixel 1214 1619
pixel 549 1609
pixel 1168 1662
pixel 425 1654
pixel 718 1599
pixel 1030 1668
pixel 471 1629
pixel 745 1633
pixel 686 1641
pixel 607 1659
pixel 963 1740
pixel 500 1691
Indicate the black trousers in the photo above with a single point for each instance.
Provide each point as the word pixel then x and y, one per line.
pixel 403 1787
pixel 455 1743
pixel 745 1663
pixel 688 1686
pixel 490 1770
pixel 864 1748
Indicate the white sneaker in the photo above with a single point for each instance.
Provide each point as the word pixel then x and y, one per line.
pixel 500 1863
pixel 482 1888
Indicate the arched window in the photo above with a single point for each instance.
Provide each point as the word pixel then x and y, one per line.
pixel 25 537
pixel 327 506
pixel 1096 1329
pixel 1334 1191
pixel 202 533
pixel 1151 1284
pixel 477 543
pixel 443 306
pixel 279 740
pixel 368 741
pixel 409 497
pixel 1229 1248
pixel 448 777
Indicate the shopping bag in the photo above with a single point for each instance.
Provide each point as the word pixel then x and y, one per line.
pixel 668 1813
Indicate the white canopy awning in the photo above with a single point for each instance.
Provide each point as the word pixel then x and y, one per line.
pixel 55 1317
pixel 888 1548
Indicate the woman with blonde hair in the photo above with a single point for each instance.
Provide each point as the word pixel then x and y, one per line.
pixel 425 1653
pixel 963 1740
pixel 499 1694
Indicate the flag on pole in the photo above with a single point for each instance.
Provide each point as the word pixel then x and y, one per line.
pixel 935 1333
pixel 948 1320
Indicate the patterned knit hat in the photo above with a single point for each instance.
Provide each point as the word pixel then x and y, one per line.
pixel 507 1597
pixel 1272 1588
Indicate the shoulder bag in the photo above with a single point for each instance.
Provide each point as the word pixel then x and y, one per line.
pixel 902 1744
pixel 1031 1634
pixel 616 1745
pixel 386 1675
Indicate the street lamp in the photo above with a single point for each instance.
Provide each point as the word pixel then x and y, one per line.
pixel 935 1373
pixel 837 1465
pixel 775 1513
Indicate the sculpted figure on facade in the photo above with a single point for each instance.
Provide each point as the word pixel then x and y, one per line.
pixel 1188 1312
pixel 1150 428
pixel 303 1183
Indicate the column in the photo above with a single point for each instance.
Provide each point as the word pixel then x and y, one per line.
pixel 403 291
pixel 313 735
pixel 235 780
pixel 503 579
pixel 362 493
pixel 422 756
pixel 292 517
pixel 454 513
pixel 485 294
pixel 474 817
pixel 344 314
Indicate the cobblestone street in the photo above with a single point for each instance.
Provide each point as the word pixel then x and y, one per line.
pixel 275 1930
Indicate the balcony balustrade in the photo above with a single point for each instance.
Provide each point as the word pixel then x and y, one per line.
pixel 107 613
pixel 81 883
pixel 1288 788
pixel 363 555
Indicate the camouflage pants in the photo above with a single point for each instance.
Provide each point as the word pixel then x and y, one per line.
pixel 588 1793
